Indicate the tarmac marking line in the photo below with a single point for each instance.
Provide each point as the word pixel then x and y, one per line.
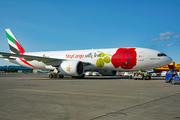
pixel 120 111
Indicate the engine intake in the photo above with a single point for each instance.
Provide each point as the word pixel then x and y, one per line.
pixel 71 68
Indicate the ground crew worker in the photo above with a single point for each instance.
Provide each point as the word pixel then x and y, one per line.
pixel 145 75
pixel 140 72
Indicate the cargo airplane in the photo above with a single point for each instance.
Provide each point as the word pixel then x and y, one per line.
pixel 172 65
pixel 75 62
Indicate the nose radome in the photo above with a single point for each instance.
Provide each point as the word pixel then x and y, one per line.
pixel 167 60
pixel 170 60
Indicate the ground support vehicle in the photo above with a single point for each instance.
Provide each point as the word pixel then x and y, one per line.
pixel 138 76
pixel 155 74
pixel 175 80
pixel 172 77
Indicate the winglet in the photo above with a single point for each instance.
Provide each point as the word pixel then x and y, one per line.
pixel 14 45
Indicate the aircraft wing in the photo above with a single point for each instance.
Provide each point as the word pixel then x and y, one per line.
pixel 46 60
pixel 30 57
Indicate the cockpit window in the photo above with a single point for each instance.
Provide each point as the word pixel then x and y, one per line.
pixel 161 54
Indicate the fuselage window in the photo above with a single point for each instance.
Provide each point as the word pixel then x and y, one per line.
pixel 161 54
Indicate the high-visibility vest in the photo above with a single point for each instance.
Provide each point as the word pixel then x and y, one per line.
pixel 145 74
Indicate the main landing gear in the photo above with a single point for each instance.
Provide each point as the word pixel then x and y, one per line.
pixel 55 75
pixel 58 76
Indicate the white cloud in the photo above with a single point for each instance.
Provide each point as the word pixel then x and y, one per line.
pixel 164 46
pixel 177 36
pixel 170 44
pixel 154 39
pixel 166 33
pixel 164 38
pixel 161 38
pixel 157 47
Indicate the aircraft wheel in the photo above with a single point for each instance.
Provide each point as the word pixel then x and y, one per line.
pixel 54 75
pixel 60 76
pixel 50 76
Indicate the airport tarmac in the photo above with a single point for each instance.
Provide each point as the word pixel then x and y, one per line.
pixel 36 97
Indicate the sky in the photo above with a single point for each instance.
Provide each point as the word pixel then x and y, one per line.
pixel 54 25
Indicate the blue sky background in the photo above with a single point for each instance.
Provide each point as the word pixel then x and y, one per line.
pixel 51 25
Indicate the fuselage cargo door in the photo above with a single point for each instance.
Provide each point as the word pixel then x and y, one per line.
pixel 141 56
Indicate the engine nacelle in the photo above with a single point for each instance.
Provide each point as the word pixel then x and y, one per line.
pixel 107 72
pixel 71 68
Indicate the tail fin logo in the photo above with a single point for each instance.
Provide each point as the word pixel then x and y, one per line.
pixel 14 45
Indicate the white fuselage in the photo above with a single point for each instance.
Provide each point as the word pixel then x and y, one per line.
pixel 143 58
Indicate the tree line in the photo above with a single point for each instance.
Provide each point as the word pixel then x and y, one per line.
pixel 14 70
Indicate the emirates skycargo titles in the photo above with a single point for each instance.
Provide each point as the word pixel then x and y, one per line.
pixel 75 56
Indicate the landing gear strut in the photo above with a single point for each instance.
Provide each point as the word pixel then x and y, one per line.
pixel 55 75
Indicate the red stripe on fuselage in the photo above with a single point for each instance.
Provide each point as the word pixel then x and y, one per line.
pixel 26 62
pixel 21 50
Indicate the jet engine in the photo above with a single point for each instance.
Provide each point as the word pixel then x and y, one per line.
pixel 107 72
pixel 71 68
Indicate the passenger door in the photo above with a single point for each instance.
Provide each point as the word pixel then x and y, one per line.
pixel 141 56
